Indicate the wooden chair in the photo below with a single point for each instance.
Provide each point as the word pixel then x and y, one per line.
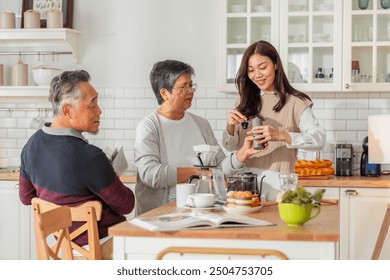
pixel 382 234
pixel 45 224
pixel 90 213
pixel 221 251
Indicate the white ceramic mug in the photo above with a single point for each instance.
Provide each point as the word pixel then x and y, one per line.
pixel 182 193
pixel 200 200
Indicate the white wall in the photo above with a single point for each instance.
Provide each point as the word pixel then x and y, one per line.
pixel 119 44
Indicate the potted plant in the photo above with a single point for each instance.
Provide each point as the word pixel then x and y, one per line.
pixel 295 206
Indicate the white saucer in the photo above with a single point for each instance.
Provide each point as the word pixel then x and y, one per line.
pixel 211 208
pixel 242 210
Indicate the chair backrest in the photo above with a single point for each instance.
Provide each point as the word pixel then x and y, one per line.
pixel 221 251
pixel 47 223
pixel 90 213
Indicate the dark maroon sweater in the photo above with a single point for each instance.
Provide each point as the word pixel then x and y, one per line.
pixel 58 165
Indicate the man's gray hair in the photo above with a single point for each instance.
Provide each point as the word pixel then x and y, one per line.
pixel 64 88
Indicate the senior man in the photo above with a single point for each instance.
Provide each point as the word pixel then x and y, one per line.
pixel 58 164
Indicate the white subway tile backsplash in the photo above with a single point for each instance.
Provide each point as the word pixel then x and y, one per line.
pixel 17 133
pixel 357 103
pixel 131 103
pixel 346 114
pixel 346 136
pixel 357 125
pixel 338 103
pixel 206 103
pixel 147 103
pixel 124 124
pixel 219 114
pixel 343 115
pixel 381 103
pixel 226 103
pixel 335 125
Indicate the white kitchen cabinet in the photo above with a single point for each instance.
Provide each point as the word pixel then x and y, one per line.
pixel 361 215
pixel 311 44
pixel 312 34
pixel 242 22
pixel 15 220
pixel 367 43
pixel 56 41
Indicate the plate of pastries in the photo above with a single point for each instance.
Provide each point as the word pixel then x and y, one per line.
pixel 242 202
pixel 313 168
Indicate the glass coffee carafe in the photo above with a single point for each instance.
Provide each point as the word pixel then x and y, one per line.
pixel 212 180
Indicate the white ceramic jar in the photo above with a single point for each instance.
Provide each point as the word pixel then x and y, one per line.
pixel 32 19
pixel 20 74
pixel 54 19
pixel 7 20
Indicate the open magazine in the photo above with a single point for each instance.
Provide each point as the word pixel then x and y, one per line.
pixel 118 159
pixel 196 220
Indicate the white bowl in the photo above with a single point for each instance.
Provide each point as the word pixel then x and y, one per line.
pixel 238 8
pixel 296 38
pixel 239 38
pixel 296 8
pixel 321 37
pixel 325 7
pixel 42 76
pixel 262 9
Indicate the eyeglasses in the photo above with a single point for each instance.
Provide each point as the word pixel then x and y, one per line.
pixel 186 89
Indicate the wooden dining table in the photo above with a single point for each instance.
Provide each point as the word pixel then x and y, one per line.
pixel 316 239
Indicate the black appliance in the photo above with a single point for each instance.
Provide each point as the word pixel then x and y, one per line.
pixel 344 160
pixel 368 169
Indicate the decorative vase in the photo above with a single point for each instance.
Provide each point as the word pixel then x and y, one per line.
pixel 296 215
pixel 385 4
pixel 363 4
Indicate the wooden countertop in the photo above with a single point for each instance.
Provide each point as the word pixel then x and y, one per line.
pixel 348 181
pixel 323 228
pixel 331 181
pixel 14 176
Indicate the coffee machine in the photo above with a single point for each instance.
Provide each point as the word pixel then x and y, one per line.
pixel 344 160
pixel 368 169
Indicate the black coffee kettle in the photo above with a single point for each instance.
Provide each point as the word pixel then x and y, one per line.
pixel 368 169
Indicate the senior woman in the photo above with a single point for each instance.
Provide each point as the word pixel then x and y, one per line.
pixel 164 141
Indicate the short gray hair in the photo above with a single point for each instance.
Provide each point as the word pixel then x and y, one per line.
pixel 164 75
pixel 64 88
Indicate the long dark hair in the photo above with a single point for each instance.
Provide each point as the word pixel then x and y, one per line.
pixel 250 101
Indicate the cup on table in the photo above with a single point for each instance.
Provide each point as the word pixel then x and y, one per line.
pixel 182 192
pixel 288 181
pixel 200 200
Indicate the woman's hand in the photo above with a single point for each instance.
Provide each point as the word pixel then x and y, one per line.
pixel 247 150
pixel 234 118
pixel 268 133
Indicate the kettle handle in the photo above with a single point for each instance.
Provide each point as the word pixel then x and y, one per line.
pixel 193 177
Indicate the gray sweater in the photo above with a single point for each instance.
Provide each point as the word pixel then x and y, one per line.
pixel 154 175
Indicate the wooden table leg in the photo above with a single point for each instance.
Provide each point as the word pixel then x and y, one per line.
pixel 382 234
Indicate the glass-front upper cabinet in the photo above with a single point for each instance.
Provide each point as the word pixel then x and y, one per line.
pixel 310 44
pixel 242 22
pixel 367 45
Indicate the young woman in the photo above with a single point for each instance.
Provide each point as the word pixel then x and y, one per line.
pixel 288 119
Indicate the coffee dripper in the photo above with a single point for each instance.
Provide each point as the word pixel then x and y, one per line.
pixel 209 182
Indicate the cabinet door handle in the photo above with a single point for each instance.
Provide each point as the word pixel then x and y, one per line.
pixel 351 192
pixel 346 86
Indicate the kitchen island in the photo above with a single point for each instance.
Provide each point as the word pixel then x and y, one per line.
pixel 317 239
